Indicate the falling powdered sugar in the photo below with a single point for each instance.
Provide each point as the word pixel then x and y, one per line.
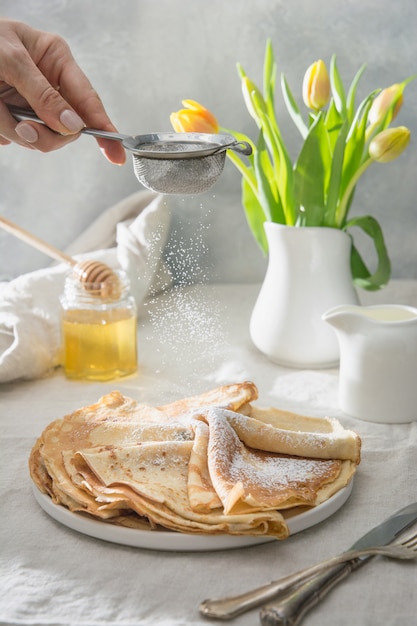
pixel 184 326
pixel 185 322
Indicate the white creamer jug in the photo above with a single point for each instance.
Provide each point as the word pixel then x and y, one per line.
pixel 378 361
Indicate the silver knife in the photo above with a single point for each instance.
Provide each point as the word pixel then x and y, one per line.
pixel 230 607
pixel 291 608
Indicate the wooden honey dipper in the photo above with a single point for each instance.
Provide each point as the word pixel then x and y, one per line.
pixel 97 278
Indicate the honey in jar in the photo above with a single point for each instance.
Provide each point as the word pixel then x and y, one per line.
pixel 98 331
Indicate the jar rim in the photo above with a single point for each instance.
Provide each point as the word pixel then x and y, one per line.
pixel 111 290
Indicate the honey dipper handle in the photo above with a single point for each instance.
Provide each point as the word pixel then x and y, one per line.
pixel 35 242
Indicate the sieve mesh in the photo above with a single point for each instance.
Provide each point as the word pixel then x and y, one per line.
pixel 176 175
pixel 173 146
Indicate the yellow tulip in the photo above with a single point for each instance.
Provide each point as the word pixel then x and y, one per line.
pixel 384 101
pixel 316 86
pixel 194 118
pixel 389 144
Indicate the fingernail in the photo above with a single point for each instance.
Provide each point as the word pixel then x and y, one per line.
pixel 71 121
pixel 27 132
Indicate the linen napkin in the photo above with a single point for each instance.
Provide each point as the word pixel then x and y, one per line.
pixel 130 236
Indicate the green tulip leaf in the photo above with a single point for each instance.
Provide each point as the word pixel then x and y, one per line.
pixel 338 91
pixel 255 215
pixel 333 123
pixel 356 160
pixel 362 277
pixel 336 173
pixel 292 108
pixel 268 194
pixel 240 70
pixel 350 102
pixel 310 173
pixel 269 77
pixel 283 171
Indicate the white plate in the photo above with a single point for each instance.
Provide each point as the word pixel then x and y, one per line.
pixel 173 541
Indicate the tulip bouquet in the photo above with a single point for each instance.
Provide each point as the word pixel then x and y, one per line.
pixel 339 143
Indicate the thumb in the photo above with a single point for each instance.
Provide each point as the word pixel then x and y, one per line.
pixel 47 102
pixel 55 111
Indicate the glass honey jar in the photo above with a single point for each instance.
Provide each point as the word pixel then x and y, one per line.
pixel 99 329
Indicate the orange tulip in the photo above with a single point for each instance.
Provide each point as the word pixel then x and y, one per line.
pixel 194 118
pixel 316 86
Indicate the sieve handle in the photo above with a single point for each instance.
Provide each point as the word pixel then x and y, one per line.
pixel 21 114
pixel 243 147
pixel 105 134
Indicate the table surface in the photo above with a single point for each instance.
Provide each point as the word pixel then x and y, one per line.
pixel 191 340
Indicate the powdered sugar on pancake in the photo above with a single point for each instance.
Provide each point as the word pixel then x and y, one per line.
pixel 258 478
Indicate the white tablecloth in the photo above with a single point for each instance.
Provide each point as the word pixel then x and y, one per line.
pixel 191 340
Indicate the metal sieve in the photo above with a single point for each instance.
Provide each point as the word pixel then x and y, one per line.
pixel 169 163
pixel 182 163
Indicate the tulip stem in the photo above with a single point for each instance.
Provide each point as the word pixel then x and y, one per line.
pixel 342 208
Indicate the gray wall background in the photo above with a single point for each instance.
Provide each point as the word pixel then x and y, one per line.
pixel 145 56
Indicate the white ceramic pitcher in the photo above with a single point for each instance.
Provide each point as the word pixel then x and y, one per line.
pixel 378 361
pixel 308 272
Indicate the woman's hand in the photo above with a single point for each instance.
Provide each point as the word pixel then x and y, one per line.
pixel 38 70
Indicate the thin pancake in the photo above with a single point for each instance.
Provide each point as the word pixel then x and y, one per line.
pixel 247 478
pixel 289 433
pixel 231 397
pixel 154 482
pixel 201 493
pixel 211 463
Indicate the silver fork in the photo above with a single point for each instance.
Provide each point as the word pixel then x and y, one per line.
pixel 227 608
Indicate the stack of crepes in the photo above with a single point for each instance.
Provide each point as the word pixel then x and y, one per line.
pixel 209 464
